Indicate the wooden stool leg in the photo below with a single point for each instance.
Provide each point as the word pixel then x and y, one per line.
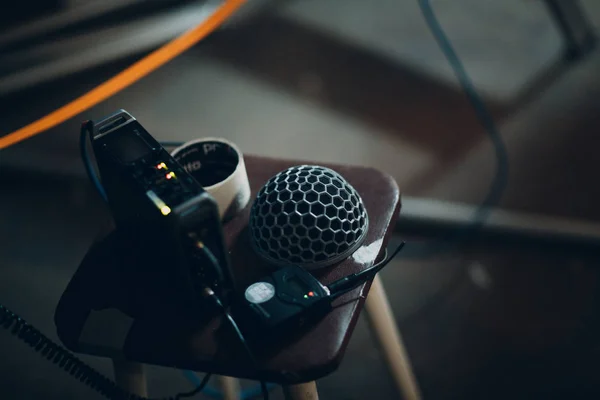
pixel 383 323
pixel 130 377
pixel 303 391
pixel 230 387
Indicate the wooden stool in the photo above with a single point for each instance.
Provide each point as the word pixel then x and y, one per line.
pixel 98 285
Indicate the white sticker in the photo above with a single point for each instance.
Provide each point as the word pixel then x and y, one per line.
pixel 260 292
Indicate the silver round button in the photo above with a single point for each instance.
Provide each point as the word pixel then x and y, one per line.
pixel 260 292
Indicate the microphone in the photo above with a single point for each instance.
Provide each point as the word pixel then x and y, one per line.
pixel 309 216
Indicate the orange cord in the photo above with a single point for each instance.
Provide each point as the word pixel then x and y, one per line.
pixel 126 77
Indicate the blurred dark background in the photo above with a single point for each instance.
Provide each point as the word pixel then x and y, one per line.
pixel 339 81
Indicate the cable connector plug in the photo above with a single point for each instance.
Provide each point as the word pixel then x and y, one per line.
pixel 351 281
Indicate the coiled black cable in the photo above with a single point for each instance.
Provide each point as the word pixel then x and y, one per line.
pixel 68 362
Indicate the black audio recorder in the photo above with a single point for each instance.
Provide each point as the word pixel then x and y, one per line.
pixel 163 207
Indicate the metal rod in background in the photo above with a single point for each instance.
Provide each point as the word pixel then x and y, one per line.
pixel 426 216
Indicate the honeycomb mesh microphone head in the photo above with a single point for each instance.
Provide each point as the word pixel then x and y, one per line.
pixel 308 216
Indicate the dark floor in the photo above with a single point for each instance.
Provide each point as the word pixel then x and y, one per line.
pixel 491 320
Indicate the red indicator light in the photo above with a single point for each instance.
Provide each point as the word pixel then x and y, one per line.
pixel 169 176
pixel 311 294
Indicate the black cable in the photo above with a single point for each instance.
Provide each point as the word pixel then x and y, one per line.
pixel 233 324
pixel 68 362
pixel 500 180
pixel 484 117
pixel 208 292
pixel 211 294
pixel 349 282
pixel 208 256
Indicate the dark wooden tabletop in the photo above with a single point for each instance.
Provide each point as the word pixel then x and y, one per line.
pixel 314 354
